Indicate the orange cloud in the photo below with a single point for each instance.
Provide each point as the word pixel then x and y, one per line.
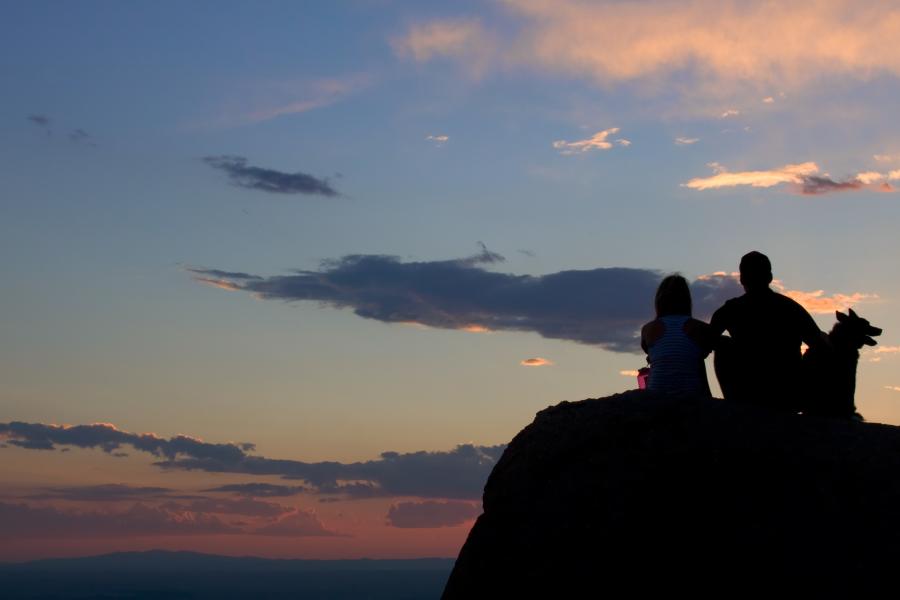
pixel 463 39
pixel 816 302
pixel 629 373
pixel 222 284
pixel 895 388
pixel 804 177
pixel 764 179
pixel 718 44
pixel 536 362
pixel 598 141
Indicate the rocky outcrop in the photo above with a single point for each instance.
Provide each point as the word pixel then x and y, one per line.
pixel 647 494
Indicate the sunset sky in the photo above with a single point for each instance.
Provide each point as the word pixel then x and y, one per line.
pixel 283 278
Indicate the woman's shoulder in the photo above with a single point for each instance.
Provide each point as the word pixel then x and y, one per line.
pixel 651 332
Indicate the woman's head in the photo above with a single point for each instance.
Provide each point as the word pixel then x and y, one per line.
pixel 673 297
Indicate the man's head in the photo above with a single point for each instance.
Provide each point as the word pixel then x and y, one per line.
pixel 756 271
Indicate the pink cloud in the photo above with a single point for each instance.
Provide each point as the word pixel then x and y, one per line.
pixel 431 514
pixel 301 523
pixel 717 44
pixel 598 141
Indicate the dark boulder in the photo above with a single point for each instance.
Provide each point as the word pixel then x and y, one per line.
pixel 647 494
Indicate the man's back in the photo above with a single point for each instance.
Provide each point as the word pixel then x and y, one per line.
pixel 767 329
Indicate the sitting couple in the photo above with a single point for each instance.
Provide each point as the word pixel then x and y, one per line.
pixel 761 360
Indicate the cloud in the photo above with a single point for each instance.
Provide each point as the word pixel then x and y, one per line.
pixel 816 302
pixel 536 362
pixel 439 140
pixel 464 39
pixel 269 180
pixel 731 112
pixel 80 135
pixel 895 388
pixel 598 141
pixel 802 178
pixel 886 158
pixel 260 490
pixel 299 523
pixel 768 100
pixel 247 507
pixel 686 141
pixel 604 307
pixel 109 492
pixel 629 373
pixel 458 473
pixel 886 350
pixel 431 514
pixel 40 120
pixel 709 47
pixel 19 521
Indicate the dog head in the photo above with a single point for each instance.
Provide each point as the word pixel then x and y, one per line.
pixel 855 330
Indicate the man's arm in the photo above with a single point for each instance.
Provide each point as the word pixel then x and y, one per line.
pixel 719 322
pixel 809 331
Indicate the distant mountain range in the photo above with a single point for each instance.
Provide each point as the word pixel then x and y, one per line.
pixel 163 574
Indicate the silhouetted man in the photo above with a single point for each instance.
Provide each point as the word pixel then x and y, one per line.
pixel 760 363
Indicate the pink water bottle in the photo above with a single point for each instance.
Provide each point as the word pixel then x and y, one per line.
pixel 643 376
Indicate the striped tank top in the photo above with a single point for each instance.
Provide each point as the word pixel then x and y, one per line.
pixel 676 362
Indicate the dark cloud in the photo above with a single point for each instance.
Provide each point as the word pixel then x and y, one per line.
pixel 260 490
pixel 269 180
pixel 814 185
pixel 300 523
pixel 109 492
pixel 18 521
pixel 431 514
pixel 81 136
pixel 106 437
pixel 459 473
pixel 604 307
pixel 40 120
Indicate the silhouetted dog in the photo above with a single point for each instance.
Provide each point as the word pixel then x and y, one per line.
pixel 830 373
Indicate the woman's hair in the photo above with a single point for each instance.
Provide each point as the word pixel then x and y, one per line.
pixel 673 297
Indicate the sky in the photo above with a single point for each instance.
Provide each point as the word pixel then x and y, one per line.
pixel 283 279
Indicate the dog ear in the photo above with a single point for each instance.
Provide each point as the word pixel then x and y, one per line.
pixel 841 317
pixel 852 314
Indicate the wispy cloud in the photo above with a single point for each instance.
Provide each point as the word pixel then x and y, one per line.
pixel 260 490
pixel 244 175
pixel 598 141
pixel 261 101
pixel 803 178
pixel 462 39
pixel 895 388
pixel 431 514
pixel 299 523
pixel 536 362
pixel 629 373
pixel 731 112
pixel 686 141
pixel 715 47
pixel 21 521
pixel 438 140
pixel 40 120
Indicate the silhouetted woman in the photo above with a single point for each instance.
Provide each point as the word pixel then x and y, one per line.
pixel 676 343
